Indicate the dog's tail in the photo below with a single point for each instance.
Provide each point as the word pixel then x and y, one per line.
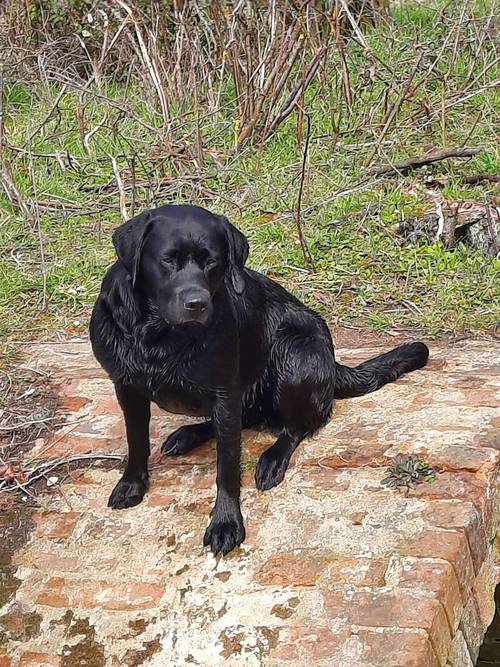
pixel 374 373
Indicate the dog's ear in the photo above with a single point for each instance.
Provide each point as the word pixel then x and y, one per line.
pixel 129 239
pixel 238 254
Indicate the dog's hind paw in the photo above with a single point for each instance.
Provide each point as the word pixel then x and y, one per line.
pixel 128 493
pixel 270 470
pixel 183 440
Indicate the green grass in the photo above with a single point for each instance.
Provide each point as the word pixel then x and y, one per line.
pixel 361 273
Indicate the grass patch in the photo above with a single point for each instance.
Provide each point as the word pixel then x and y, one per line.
pixel 362 272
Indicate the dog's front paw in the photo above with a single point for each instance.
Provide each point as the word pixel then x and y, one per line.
pixel 128 493
pixel 224 534
pixel 270 470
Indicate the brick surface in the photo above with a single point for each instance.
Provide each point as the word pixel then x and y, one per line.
pixel 397 649
pixel 462 516
pixel 398 609
pixel 459 655
pixel 439 579
pixel 32 659
pixel 450 545
pixel 336 569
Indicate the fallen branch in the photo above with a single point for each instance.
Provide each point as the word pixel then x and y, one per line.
pixel 402 166
pixel 36 473
pixel 472 179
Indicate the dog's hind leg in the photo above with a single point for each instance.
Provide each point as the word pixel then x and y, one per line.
pixel 303 398
pixel 186 438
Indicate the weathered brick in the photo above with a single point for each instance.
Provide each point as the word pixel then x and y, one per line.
pixel 128 596
pixel 155 499
pixel 450 545
pixel 357 572
pixel 58 525
pixel 397 609
pixel 88 594
pixel 5 661
pixel 53 594
pixel 437 578
pixel 352 457
pixel 315 479
pixel 462 516
pixel 397 649
pixel 72 403
pixel 301 569
pixel 455 485
pixel 453 458
pixel 306 645
pixel 32 659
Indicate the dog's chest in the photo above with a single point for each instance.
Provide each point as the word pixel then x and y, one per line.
pixel 175 398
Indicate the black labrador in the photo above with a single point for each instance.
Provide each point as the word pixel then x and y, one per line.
pixel 180 321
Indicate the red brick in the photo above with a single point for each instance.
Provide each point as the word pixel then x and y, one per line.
pixel 80 443
pixel 129 596
pixel 398 609
pixel 154 499
pixel 306 645
pixel 58 525
pixel 449 545
pixel 32 659
pixel 397 649
pixel 452 458
pixel 291 570
pixel 455 485
pixel 439 579
pixel 316 478
pixel 352 457
pixel 49 562
pixel 73 403
pixel 88 594
pixel 357 572
pixel 5 661
pixel 462 516
pixel 53 595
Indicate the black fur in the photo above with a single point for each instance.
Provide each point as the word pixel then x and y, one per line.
pixel 181 322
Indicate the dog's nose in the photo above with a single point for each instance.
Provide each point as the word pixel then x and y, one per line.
pixel 195 305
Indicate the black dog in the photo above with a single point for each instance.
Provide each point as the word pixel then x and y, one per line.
pixel 181 322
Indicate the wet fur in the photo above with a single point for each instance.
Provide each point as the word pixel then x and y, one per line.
pixel 263 359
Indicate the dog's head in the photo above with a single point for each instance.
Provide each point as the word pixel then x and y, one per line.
pixel 180 256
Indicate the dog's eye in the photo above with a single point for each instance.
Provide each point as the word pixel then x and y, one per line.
pixel 169 262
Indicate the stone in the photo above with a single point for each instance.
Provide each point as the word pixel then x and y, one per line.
pixel 462 516
pixel 451 546
pixel 397 649
pixel 393 609
pixel 472 628
pixel 336 569
pixel 32 659
pixel 291 570
pixel 439 579
pixel 459 655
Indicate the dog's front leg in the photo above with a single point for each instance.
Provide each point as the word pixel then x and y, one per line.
pixel 133 485
pixel 226 530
